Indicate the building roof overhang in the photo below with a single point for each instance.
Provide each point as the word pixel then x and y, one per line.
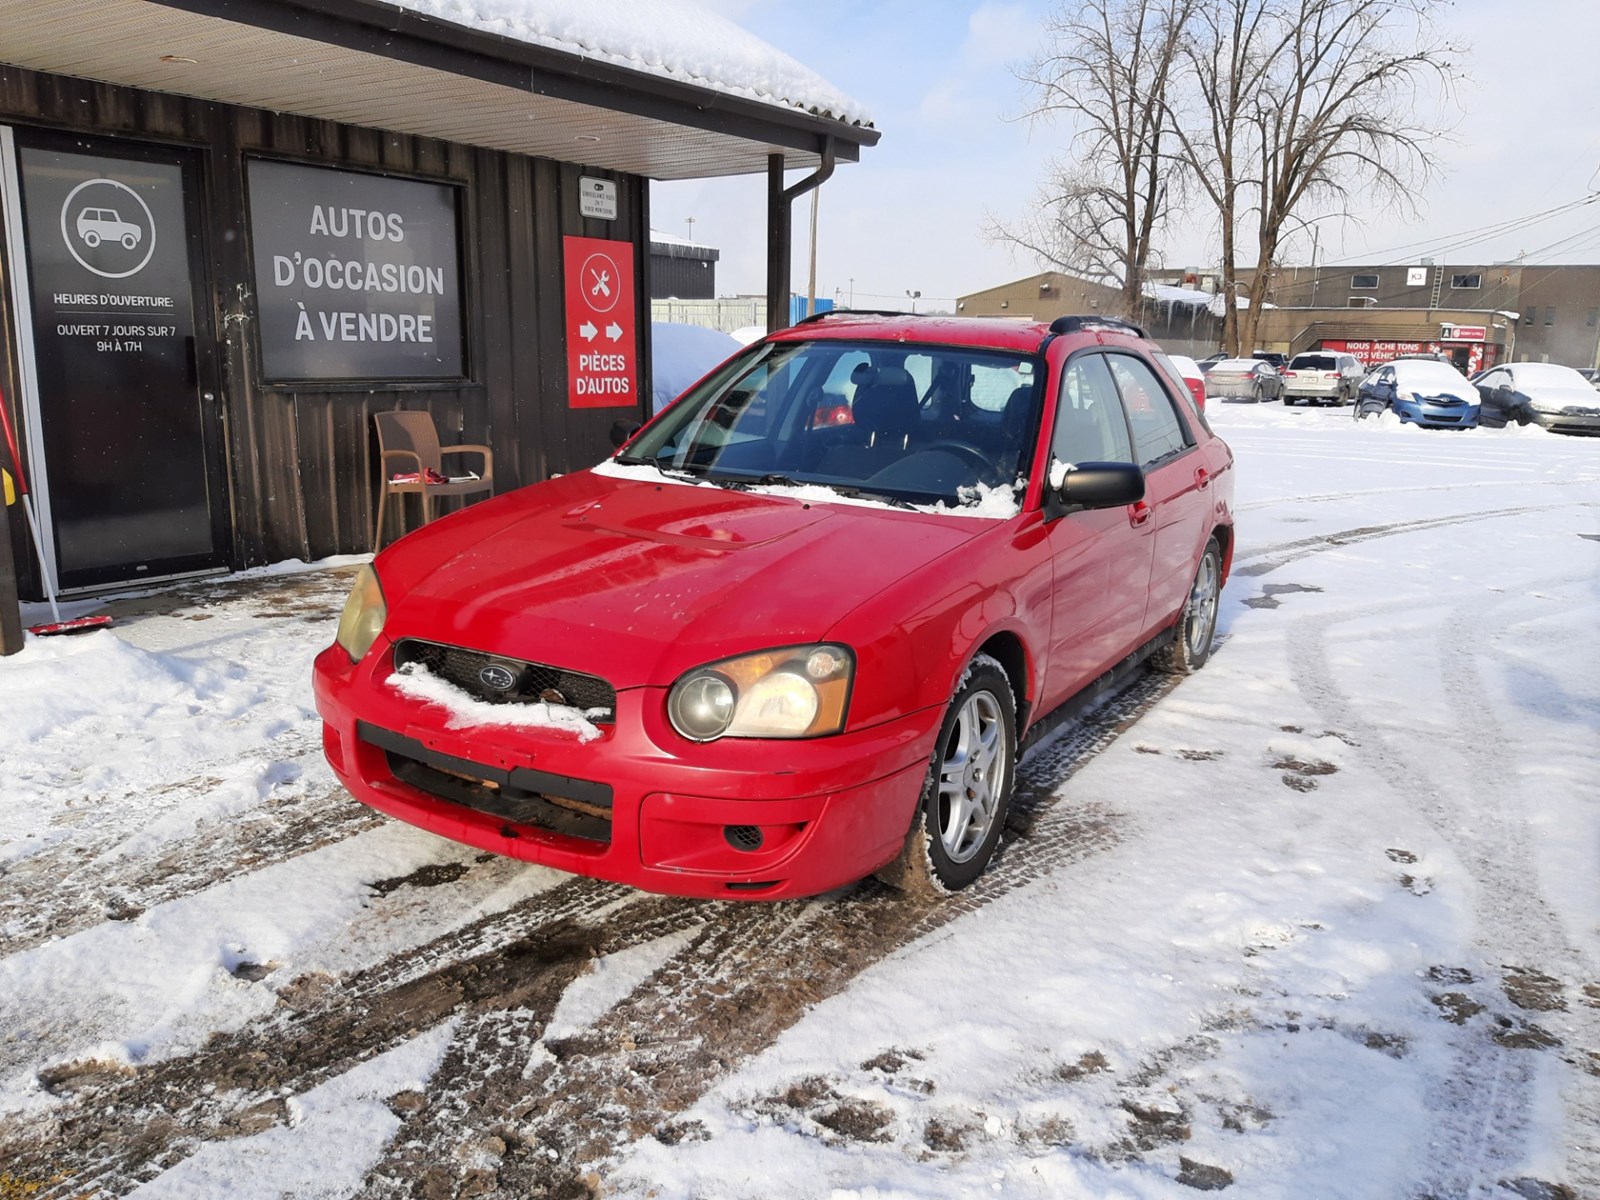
pixel 373 64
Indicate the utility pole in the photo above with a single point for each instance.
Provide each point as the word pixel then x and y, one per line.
pixel 1315 231
pixel 915 296
pixel 689 221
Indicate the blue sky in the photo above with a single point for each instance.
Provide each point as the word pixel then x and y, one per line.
pixel 935 75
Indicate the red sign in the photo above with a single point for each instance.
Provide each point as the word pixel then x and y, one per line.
pixel 602 338
pixel 1374 353
pixel 1463 333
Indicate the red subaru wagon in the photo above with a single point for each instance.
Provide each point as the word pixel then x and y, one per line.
pixel 765 651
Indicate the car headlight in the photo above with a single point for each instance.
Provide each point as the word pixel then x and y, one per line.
pixel 363 616
pixel 792 692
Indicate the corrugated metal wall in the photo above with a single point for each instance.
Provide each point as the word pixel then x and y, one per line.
pixel 301 463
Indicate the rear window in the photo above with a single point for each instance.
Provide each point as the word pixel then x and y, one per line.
pixel 1314 362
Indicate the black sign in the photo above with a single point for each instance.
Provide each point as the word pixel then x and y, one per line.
pixel 356 275
pixel 114 335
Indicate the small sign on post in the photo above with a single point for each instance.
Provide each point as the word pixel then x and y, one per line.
pixel 597 198
pixel 601 326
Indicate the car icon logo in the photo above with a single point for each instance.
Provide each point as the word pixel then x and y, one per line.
pixel 96 225
pixel 497 678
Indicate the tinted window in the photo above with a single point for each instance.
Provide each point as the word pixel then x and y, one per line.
pixel 1362 282
pixel 1314 362
pixel 1090 426
pixel 1466 281
pixel 1157 432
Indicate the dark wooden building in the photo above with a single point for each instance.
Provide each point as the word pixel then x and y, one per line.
pixel 682 270
pixel 236 229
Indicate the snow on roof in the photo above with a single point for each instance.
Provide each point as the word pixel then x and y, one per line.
pixel 1166 293
pixel 675 39
pixel 667 239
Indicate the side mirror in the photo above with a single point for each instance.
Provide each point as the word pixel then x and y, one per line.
pixel 1100 485
pixel 622 429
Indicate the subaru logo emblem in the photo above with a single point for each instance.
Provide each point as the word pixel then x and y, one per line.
pixel 497 678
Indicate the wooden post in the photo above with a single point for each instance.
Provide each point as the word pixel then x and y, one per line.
pixel 10 612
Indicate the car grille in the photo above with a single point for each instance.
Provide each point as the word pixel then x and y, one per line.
pixel 528 683
pixel 559 804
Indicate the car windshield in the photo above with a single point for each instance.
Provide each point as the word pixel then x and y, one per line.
pixel 893 421
pixel 1314 362
pixel 1423 376
pixel 1547 375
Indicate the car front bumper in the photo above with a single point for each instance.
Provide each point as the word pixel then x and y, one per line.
pixel 1438 416
pixel 1580 421
pixel 730 819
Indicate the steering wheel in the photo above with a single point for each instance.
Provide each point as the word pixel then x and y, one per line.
pixel 974 457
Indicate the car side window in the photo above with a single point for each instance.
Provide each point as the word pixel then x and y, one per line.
pixel 1157 432
pixel 1090 426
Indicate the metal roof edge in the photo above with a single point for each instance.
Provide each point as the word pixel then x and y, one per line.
pixel 389 31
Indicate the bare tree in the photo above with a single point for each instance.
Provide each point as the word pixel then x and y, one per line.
pixel 1298 104
pixel 1339 113
pixel 1107 66
pixel 1229 48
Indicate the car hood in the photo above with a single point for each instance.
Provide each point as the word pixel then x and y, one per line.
pixel 1558 398
pixel 638 581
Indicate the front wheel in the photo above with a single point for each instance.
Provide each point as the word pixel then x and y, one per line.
pixel 1197 624
pixel 967 791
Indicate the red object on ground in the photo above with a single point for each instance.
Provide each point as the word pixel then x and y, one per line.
pixel 636 578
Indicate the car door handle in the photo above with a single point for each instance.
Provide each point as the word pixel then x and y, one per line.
pixel 1138 513
pixel 1202 478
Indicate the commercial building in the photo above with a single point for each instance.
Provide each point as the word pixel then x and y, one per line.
pixel 235 229
pixel 1477 313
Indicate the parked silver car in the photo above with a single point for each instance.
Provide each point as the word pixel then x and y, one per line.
pixel 1545 394
pixel 1244 379
pixel 1322 377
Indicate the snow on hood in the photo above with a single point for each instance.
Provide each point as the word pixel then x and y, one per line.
pixel 675 39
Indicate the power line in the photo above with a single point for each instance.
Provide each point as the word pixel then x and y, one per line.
pixel 1455 241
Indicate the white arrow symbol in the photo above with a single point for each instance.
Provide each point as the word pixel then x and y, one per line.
pixel 614 331
pixel 587 331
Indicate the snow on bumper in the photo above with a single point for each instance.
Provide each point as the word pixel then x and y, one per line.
pixel 730 819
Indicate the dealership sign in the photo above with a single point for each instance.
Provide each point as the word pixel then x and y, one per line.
pixel 356 275
pixel 1463 333
pixel 601 330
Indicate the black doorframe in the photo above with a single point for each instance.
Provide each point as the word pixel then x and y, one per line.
pixel 204 357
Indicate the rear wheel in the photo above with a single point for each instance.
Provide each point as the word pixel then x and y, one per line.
pixel 967 791
pixel 1197 624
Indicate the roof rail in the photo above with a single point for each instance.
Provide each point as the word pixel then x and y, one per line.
pixel 853 312
pixel 1114 324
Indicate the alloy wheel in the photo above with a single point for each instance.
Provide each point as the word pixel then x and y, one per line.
pixel 972 776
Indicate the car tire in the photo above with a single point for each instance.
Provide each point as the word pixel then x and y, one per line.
pixel 91 239
pixel 129 242
pixel 1197 623
pixel 967 792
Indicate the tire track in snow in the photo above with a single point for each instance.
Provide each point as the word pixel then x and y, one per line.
pixel 1270 558
pixel 554 1122
pixel 745 979
pixel 1481 1107
pixel 76 887
pixel 118 1127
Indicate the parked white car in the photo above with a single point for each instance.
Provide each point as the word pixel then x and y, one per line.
pixel 1322 377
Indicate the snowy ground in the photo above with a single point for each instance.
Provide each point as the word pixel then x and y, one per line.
pixel 1320 921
